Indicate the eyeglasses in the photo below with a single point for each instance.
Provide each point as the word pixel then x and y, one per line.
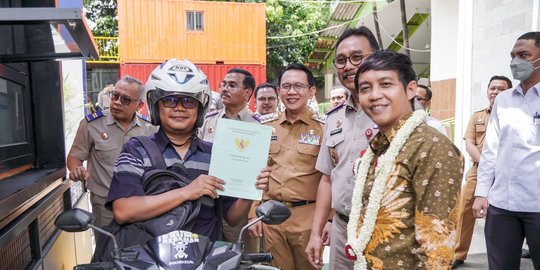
pixel 125 100
pixel 337 98
pixel 172 102
pixel 230 86
pixel 355 59
pixel 266 99
pixel 297 87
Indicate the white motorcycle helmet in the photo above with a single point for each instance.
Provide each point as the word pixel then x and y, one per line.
pixel 175 77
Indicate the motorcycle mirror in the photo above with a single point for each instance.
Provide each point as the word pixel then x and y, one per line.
pixel 74 220
pixel 273 212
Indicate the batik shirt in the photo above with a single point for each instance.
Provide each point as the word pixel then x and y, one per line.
pixel 416 223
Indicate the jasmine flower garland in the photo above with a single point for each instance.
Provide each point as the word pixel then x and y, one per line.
pixel 357 243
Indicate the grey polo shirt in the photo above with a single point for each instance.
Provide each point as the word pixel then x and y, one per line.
pixel 99 141
pixel 346 134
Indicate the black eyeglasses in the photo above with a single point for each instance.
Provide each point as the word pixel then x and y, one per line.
pixel 172 102
pixel 265 99
pixel 355 59
pixel 297 87
pixel 123 99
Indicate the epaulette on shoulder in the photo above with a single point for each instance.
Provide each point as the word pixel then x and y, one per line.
pixel 93 116
pixel 144 117
pixel 319 118
pixel 268 117
pixel 335 108
pixel 481 110
pixel 212 113
pixel 256 117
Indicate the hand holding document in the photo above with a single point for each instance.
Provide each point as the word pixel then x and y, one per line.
pixel 239 153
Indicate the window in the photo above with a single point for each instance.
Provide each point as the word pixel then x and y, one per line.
pixel 16 133
pixel 195 20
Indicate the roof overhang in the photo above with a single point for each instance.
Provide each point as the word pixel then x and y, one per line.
pixel 65 27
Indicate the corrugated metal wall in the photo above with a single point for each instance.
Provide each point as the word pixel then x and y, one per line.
pixel 152 31
pixel 215 73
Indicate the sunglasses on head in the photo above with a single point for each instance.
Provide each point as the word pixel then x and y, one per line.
pixel 172 102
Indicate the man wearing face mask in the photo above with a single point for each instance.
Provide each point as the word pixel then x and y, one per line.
pixel 507 192
pixel 474 140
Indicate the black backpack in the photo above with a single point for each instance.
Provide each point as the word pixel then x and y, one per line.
pixel 155 181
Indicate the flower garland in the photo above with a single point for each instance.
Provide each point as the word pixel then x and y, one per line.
pixel 357 243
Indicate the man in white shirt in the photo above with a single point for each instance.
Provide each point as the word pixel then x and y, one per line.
pixel 423 95
pixel 508 188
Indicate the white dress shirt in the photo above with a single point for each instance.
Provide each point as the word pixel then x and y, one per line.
pixel 509 169
pixel 436 124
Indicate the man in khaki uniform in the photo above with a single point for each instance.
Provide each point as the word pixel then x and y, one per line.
pixel 347 132
pixel 236 90
pixel 474 140
pixel 297 135
pixel 99 140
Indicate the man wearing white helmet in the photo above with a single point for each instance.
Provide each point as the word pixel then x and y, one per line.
pixel 178 96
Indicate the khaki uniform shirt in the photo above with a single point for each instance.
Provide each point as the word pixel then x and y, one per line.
pixel 416 221
pixel 476 129
pixel 208 129
pixel 346 134
pixel 293 153
pixel 99 141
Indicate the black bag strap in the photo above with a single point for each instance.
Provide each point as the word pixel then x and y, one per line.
pixel 155 156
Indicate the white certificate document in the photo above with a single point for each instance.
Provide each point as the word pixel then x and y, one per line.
pixel 239 153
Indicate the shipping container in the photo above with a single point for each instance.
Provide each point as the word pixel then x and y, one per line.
pixel 152 31
pixel 215 73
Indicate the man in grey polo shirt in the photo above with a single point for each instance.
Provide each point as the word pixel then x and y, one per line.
pixel 100 138
pixel 347 132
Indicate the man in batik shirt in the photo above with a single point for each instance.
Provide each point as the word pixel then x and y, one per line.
pixel 408 182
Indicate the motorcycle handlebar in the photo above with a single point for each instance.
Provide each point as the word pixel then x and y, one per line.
pixel 95 266
pixel 257 257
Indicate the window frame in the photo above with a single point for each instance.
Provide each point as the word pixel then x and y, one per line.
pixel 197 16
pixel 18 154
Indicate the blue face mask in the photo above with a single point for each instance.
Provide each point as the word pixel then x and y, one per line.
pixel 522 69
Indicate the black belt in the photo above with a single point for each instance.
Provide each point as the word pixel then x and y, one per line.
pixel 343 217
pixel 295 204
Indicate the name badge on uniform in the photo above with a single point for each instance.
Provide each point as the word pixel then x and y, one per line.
pixel 335 131
pixel 310 138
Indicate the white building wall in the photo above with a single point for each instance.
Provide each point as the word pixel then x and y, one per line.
pixel 496 26
pixel 486 34
pixel 444 38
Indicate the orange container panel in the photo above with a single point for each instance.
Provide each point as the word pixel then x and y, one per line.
pixel 152 31
pixel 215 73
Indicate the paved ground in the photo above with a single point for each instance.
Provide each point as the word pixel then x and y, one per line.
pixel 477 258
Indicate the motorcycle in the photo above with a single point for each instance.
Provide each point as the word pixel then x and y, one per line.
pixel 179 250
